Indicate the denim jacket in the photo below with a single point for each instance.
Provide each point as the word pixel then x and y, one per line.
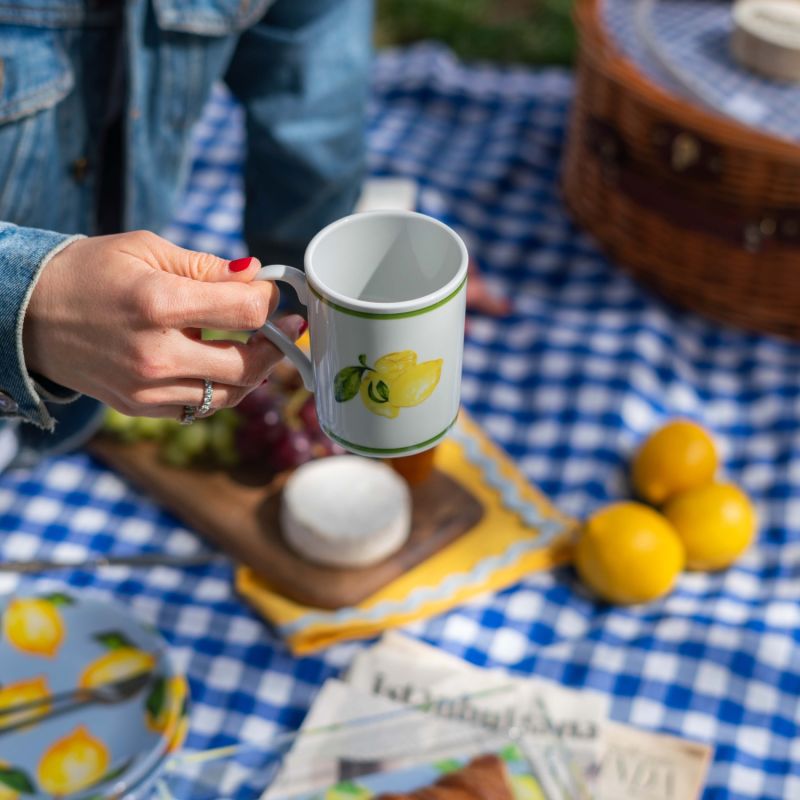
pixel 299 67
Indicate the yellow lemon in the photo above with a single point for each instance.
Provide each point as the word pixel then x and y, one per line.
pixel 393 364
pixel 629 553
pixel 369 390
pixel 73 763
pixel 679 456
pixel 25 691
pixel 526 787
pixel 34 625
pixel 717 523
pixel 116 665
pixel 415 384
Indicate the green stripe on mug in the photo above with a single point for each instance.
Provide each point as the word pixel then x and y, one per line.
pixel 389 451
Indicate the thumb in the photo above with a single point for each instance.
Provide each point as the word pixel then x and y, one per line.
pixel 208 268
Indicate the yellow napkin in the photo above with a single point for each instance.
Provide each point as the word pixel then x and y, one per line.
pixel 519 532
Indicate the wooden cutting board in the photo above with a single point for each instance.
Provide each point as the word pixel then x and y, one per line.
pixel 238 511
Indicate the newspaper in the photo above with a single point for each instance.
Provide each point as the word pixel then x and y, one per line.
pixel 403 739
pixel 576 751
pixel 410 672
pixel 619 762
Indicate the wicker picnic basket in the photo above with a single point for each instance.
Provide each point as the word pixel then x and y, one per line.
pixel 702 208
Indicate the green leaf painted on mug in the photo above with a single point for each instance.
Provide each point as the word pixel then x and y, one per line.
pixel 382 390
pixel 362 359
pixel 346 383
pixel 376 394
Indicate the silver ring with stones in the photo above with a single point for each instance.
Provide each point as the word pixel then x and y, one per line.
pixel 208 396
pixel 189 415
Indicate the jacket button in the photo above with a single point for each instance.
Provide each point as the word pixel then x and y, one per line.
pixel 80 169
pixel 7 404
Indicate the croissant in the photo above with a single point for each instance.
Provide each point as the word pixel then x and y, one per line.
pixel 484 778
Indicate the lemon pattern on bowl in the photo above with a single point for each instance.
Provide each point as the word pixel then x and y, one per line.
pixel 166 709
pixel 74 762
pixel 55 643
pixel 396 381
pixel 122 661
pixel 34 624
pixel 19 692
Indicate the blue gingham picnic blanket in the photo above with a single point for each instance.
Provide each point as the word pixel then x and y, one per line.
pixel 585 365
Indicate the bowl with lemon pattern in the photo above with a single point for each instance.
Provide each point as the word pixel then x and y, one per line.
pixel 58 643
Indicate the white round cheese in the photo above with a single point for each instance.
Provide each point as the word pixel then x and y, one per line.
pixel 345 511
pixel 766 37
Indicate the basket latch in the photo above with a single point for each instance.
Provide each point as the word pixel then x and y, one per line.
pixel 686 153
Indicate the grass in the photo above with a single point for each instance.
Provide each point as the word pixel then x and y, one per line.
pixel 507 31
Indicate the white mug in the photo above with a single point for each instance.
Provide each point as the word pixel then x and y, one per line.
pixel 385 292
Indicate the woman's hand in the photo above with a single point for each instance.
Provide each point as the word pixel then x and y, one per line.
pixel 119 318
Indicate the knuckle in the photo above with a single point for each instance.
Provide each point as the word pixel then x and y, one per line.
pixel 150 367
pixel 144 237
pixel 151 304
pixel 254 310
pixel 203 265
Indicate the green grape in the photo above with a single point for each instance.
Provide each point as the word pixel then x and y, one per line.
pixel 226 416
pixel 222 440
pixel 173 454
pixel 149 427
pixel 116 421
pixel 120 425
pixel 192 439
pixel 211 335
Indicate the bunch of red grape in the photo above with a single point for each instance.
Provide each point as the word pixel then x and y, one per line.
pixel 279 430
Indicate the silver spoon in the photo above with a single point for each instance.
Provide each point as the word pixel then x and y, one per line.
pixel 104 693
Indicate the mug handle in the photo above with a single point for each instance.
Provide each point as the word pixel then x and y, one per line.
pixel 297 280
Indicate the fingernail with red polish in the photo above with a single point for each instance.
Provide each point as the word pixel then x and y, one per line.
pixel 303 327
pixel 240 264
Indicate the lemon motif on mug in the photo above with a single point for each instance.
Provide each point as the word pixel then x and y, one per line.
pixel 395 381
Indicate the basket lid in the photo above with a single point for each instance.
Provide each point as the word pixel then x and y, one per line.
pixel 684 47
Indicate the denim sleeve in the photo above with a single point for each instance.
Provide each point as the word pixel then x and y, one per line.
pixel 24 252
pixel 302 74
